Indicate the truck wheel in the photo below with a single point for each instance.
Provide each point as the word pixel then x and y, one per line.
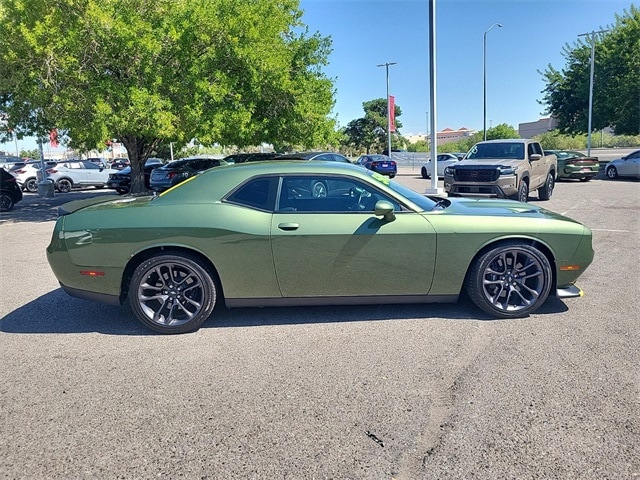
pixel 545 191
pixel 523 192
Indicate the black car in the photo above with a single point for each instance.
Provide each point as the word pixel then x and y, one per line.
pixel 121 181
pixel 250 157
pixel 10 191
pixel 322 156
pixel 171 174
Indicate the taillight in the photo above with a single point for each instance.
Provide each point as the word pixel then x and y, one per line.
pixel 52 170
pixel 171 175
pixel 393 163
pixel 19 171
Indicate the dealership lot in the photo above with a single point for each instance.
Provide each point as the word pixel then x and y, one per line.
pixel 420 391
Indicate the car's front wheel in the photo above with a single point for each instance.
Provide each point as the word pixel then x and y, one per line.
pixel 424 173
pixel 523 192
pixel 545 191
pixel 510 280
pixel 64 185
pixel 172 293
pixel 6 202
pixel 122 190
pixel 612 172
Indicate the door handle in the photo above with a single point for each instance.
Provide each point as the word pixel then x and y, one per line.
pixel 288 226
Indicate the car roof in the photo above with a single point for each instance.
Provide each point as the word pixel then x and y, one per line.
pixel 305 155
pixel 227 177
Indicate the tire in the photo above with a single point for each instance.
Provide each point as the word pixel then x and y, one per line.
pixel 64 185
pixel 423 172
pixel 392 175
pixel 31 185
pixel 509 281
pixel 98 187
pixel 545 191
pixel 612 172
pixel 585 179
pixel 6 202
pixel 523 192
pixel 172 293
pixel 122 191
pixel 318 190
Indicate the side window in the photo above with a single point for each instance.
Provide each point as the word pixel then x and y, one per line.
pixel 90 166
pixel 328 194
pixel 257 193
pixel 534 148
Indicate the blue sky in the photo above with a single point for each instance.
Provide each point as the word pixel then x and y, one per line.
pixel 366 33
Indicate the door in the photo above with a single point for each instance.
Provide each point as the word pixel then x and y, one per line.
pixel 336 246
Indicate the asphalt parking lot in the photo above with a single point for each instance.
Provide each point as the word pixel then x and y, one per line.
pixel 403 392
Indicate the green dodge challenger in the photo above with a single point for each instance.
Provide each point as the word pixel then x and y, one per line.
pixel 310 233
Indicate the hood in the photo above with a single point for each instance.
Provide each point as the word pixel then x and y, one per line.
pixel 489 162
pixel 499 208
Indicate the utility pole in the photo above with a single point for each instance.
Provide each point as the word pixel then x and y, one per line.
pixel 593 51
pixel 386 65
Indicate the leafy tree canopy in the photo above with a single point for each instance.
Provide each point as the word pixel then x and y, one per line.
pixel 370 132
pixel 150 72
pixel 616 92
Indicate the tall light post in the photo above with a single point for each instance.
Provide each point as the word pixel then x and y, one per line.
pixel 386 65
pixel 484 72
pixel 593 51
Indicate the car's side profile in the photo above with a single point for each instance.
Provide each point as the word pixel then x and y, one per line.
pixel 78 173
pixel 627 166
pixel 253 234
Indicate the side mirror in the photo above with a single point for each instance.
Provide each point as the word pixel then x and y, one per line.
pixel 535 157
pixel 384 209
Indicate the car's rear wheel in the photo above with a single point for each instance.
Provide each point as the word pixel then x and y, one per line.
pixel 510 280
pixel 64 185
pixel 545 191
pixel 172 293
pixel 612 172
pixel 6 202
pixel 122 190
pixel 424 173
pixel 31 185
pixel 585 179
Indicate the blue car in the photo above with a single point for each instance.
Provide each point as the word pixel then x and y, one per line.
pixel 381 164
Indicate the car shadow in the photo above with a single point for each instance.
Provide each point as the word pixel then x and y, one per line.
pixel 58 313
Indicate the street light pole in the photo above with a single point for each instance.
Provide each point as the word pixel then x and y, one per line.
pixel 386 65
pixel 484 72
pixel 593 51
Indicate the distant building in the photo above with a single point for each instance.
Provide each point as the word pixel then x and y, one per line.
pixel 445 136
pixel 531 129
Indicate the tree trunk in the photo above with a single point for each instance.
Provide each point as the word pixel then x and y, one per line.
pixel 138 150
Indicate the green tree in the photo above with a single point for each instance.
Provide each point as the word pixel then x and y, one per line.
pixel 616 93
pixel 370 132
pixel 149 72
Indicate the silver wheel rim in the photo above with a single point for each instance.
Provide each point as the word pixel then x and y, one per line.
pixel 319 190
pixel 32 185
pixel 171 294
pixel 524 194
pixel 513 280
pixel 611 173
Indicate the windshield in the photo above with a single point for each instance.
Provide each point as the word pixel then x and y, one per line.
pixel 423 202
pixel 506 150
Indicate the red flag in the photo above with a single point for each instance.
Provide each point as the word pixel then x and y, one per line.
pixel 53 138
pixel 392 113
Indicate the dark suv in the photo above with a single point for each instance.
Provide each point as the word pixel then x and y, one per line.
pixel 178 171
pixel 10 191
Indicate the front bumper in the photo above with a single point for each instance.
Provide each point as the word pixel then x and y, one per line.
pixel 569 291
pixel 504 187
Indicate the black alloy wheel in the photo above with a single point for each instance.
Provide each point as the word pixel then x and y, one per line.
pixel 509 281
pixel 172 293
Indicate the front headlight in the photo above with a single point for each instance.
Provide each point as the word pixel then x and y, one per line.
pixel 507 170
pixel 448 171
